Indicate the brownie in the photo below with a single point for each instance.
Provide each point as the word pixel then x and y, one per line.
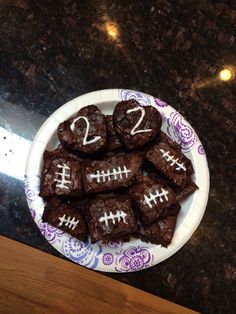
pixel 160 231
pixel 80 204
pixel 110 218
pixel 182 194
pixel 150 233
pixel 172 210
pixel 167 229
pixel 113 141
pixel 151 197
pixel 85 132
pixel 171 163
pixel 61 175
pixel 166 139
pixel 60 151
pixel 111 173
pixel 65 217
pixel 136 125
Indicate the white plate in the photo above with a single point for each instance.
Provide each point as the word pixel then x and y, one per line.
pixel 118 256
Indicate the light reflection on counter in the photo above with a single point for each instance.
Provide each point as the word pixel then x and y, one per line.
pixel 13 154
pixel 18 127
pixel 112 30
pixel 227 74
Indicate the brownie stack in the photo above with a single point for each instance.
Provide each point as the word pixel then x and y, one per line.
pixel 115 177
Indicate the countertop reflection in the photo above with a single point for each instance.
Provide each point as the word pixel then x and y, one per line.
pixel 181 52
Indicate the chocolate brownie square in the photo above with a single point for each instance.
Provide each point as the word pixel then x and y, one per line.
pixel 167 229
pixel 136 125
pixel 171 163
pixel 65 217
pixel 85 132
pixel 60 151
pixel 80 204
pixel 184 193
pixel 151 197
pixel 113 141
pixel 166 139
pixel 61 175
pixel 160 231
pixel 110 173
pixel 172 210
pixel 110 218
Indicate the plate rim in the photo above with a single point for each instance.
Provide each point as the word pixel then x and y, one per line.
pixel 105 96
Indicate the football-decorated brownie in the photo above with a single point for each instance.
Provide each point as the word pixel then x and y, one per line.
pixel 110 218
pixel 136 125
pixel 160 231
pixel 182 194
pixel 172 210
pixel 80 204
pixel 65 217
pixel 60 151
pixel 61 175
pixel 166 139
pixel 110 173
pixel 85 132
pixel 151 197
pixel 171 163
pixel 113 141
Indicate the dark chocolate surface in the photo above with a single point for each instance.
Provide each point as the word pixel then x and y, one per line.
pixel 160 231
pixel 53 51
pixel 183 194
pixel 171 163
pixel 65 217
pixel 113 141
pixel 163 137
pixel 85 132
pixel 110 217
pixel 136 125
pixel 111 173
pixel 61 175
pixel 151 198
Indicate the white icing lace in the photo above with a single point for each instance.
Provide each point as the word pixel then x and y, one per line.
pixel 103 176
pixel 172 160
pixel 152 197
pixel 120 215
pixel 69 222
pixel 63 174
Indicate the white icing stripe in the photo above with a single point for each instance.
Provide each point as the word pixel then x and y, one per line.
pixel 167 157
pixel 71 223
pixel 63 181
pixel 152 197
pixel 85 141
pixel 115 173
pixel 120 215
pixel 133 131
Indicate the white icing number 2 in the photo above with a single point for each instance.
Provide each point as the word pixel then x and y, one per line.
pixel 133 131
pixel 85 140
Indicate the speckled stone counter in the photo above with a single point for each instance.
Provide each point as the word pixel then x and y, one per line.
pixel 180 51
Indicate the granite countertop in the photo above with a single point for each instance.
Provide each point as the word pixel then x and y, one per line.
pixel 180 51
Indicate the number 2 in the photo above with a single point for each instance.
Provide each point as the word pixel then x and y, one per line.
pixel 85 140
pixel 133 131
